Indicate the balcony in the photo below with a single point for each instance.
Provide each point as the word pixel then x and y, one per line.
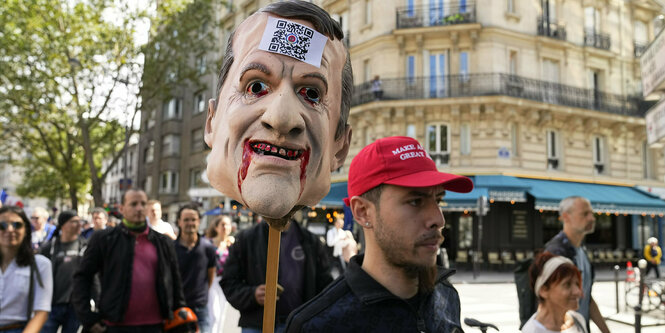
pixel 597 40
pixel 493 84
pixel 430 16
pixel 639 49
pixel 551 30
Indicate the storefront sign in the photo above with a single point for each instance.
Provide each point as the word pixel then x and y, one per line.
pixel 653 66
pixel 655 121
pixel 520 229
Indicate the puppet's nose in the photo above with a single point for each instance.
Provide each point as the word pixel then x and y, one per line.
pixel 284 115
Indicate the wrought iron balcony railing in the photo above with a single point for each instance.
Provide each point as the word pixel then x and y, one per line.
pixel 597 40
pixel 551 29
pixel 639 49
pixel 492 84
pixel 459 12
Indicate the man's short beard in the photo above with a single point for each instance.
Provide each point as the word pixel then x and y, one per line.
pixel 426 274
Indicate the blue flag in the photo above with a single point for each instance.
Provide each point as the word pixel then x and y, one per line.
pixel 3 196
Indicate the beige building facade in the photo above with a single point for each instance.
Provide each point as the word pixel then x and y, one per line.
pixel 524 96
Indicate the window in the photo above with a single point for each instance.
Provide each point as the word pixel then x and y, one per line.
pixel 151 118
pixel 367 73
pixel 551 70
pixel 149 152
pixel 409 8
pixel 172 109
pixel 465 139
pixel 147 185
pixel 199 103
pixel 465 232
pixel 553 150
pixel 462 6
pixel 436 12
pixel 464 65
pixel 641 34
pixel 591 20
pixel 437 72
pixel 368 12
pixel 514 139
pixel 410 69
pixel 170 145
pixel 168 182
pixel 195 179
pixel 550 10
pixel 599 154
pixel 438 143
pixel 197 140
pixel 648 167
pixel 411 130
pixel 510 6
pixel 512 63
pixel 201 64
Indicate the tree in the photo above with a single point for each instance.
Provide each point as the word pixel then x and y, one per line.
pixel 70 81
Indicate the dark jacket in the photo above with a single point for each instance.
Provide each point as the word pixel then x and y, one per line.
pixel 110 253
pixel 245 270
pixel 356 302
pixel 561 246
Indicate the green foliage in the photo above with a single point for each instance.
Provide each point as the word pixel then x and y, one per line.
pixel 70 80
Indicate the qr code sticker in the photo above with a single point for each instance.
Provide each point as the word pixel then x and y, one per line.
pixel 291 39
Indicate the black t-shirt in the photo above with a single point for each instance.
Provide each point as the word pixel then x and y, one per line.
pixel 291 271
pixel 64 260
pixel 194 265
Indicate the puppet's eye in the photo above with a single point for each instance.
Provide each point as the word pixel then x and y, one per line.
pixel 310 94
pixel 257 89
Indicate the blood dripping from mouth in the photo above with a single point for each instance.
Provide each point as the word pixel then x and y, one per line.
pixel 247 155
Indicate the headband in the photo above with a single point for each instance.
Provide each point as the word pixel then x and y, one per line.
pixel 549 268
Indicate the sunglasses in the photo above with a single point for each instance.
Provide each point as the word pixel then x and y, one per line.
pixel 16 225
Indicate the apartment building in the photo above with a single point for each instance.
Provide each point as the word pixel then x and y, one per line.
pixel 535 100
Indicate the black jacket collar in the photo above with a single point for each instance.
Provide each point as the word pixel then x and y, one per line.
pixel 369 290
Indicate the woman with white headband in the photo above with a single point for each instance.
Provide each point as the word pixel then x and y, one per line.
pixel 557 284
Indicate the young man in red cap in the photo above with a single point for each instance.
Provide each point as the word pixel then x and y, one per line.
pixel 395 286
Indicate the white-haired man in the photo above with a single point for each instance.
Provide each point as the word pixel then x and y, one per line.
pixel 578 221
pixel 42 231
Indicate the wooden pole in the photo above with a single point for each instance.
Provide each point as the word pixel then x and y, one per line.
pixel 272 266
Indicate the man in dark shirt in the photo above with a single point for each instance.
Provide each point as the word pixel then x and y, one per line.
pixel 196 259
pixel 65 250
pixel 395 286
pixel 303 272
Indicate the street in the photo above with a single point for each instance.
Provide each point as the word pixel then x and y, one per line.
pixel 496 303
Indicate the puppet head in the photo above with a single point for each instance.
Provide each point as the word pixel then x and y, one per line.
pixel 278 127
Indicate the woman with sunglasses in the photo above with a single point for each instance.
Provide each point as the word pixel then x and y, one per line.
pixel 25 278
pixel 557 283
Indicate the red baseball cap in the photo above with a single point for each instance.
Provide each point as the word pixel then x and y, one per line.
pixel 401 161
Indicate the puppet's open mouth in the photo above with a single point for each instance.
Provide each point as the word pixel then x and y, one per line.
pixel 263 148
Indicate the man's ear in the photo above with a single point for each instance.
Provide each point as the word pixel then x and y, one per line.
pixel 212 108
pixel 362 210
pixel 342 149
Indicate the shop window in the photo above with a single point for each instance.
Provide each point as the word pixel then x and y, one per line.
pixel 465 235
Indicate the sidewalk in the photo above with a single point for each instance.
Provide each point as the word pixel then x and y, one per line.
pixel 486 276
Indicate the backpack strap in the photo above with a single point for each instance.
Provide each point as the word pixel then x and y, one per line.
pixel 34 272
pixel 578 324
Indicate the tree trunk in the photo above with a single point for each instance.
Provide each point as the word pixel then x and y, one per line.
pixel 94 177
pixel 73 198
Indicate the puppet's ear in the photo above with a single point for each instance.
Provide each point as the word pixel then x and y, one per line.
pixel 341 149
pixel 212 108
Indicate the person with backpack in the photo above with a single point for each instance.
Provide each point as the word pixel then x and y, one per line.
pixel 578 221
pixel 26 284
pixel 65 250
pixel 557 283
